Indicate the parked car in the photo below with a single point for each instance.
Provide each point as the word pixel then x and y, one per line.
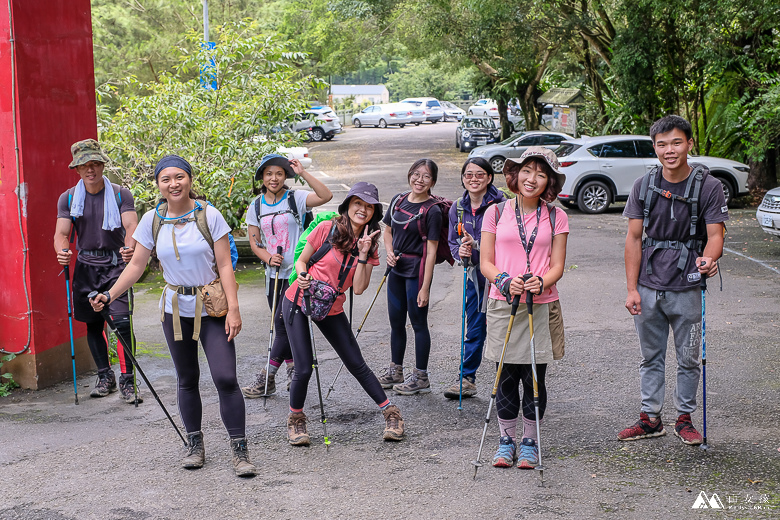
pixel 475 131
pixel 296 152
pixel 383 116
pixel 768 214
pixel 515 145
pixel 484 107
pixel 321 122
pixel 418 114
pixel 452 112
pixel 602 170
pixel 432 107
pixel 488 107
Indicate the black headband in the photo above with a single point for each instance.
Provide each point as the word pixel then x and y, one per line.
pixel 172 161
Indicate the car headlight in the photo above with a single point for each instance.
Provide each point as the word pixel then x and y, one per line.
pixel 745 169
pixel 466 134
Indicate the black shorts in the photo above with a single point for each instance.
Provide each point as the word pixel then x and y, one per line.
pixel 88 278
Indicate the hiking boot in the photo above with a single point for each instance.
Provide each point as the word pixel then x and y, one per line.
pixel 643 429
pixel 392 376
pixel 296 429
pixel 241 462
pixel 416 383
pixel 128 389
pixel 196 453
pixel 106 383
pixel 257 389
pixel 394 424
pixel 684 429
pixel 290 374
pixel 528 458
pixel 469 388
pixel 505 455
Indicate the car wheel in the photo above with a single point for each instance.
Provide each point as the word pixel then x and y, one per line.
pixel 317 134
pixel 356 123
pixel 497 163
pixel 434 121
pixel 417 124
pixel 328 137
pixel 463 148
pixel 594 197
pixel 728 191
pixel 382 123
pixel 401 126
pixel 471 112
pixel 457 144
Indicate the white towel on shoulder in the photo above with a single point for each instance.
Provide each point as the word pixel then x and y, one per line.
pixel 111 216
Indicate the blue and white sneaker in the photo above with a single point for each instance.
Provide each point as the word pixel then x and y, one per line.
pixel 505 456
pixel 529 454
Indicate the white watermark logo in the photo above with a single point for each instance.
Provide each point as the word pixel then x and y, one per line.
pixel 705 502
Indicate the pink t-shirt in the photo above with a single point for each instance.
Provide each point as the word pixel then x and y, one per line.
pixel 327 269
pixel 510 255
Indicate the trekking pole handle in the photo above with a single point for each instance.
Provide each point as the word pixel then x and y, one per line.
pixel 515 304
pixel 464 261
pixel 397 254
pixel 94 294
pixel 278 252
pixel 703 280
pixel 307 296
pixel 529 296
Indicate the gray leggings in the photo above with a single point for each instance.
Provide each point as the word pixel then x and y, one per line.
pixel 682 311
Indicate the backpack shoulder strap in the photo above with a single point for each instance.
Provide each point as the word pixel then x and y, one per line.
pixel 294 206
pixel 553 211
pixel 162 209
pixel 203 225
pixel 648 185
pixel 324 248
pixel 698 176
pixel 118 193
pixel 258 208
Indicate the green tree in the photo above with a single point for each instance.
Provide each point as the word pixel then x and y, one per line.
pixel 222 132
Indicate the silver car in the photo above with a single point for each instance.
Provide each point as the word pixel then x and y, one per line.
pixel 325 123
pixel 431 106
pixel 452 112
pixel 602 170
pixel 497 153
pixel 383 116
pixel 768 214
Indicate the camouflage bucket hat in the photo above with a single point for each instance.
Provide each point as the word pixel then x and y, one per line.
pixel 542 153
pixel 85 151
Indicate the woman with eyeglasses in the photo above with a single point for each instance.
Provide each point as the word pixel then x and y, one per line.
pixel 464 234
pixel 412 215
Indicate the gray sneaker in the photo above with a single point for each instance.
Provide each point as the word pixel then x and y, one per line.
pixel 257 389
pixel 241 463
pixel 106 383
pixel 128 389
pixel 196 453
pixel 416 383
pixel 392 376
pixel 469 388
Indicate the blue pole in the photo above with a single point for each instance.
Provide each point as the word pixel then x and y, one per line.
pixel 463 333
pixel 704 445
pixel 66 270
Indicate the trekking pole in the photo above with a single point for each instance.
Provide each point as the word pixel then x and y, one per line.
pixel 704 444
pixel 131 304
pixel 530 302
pixel 315 364
pixel 271 333
pixel 465 262
pixel 66 270
pixel 378 290
pixel 515 304
pixel 110 322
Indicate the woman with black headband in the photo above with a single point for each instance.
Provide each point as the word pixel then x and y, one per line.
pixel 274 224
pixel 191 238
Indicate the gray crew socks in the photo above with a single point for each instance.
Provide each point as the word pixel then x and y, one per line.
pixel 529 429
pixel 508 427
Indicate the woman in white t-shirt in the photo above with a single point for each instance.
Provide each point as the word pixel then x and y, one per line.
pixel 275 220
pixel 189 263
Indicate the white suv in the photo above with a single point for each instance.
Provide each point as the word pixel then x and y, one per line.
pixel 602 170
pixel 768 213
pixel 320 122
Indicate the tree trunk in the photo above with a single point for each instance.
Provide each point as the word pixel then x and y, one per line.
pixel 595 82
pixel 503 120
pixel 763 174
pixel 527 97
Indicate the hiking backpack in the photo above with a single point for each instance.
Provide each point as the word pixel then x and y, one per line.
pixel 200 221
pixel 325 215
pixel 117 192
pixel 552 210
pixel 308 216
pixel 697 236
pixel 443 253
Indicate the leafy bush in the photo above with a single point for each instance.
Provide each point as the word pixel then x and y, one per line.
pixel 223 133
pixel 7 382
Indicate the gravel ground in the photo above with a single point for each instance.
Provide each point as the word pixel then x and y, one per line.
pixel 105 459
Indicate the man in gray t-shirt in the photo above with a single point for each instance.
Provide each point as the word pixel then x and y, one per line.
pixel 103 217
pixel 664 271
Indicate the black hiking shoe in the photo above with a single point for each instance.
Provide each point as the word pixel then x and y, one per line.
pixel 127 388
pixel 106 383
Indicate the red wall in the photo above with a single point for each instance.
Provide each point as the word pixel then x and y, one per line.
pixel 55 107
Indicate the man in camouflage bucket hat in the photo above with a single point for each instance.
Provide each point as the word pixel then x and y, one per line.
pixel 104 218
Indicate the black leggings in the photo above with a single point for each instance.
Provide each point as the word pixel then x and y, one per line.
pixel 221 356
pixel 98 346
pixel 402 300
pixel 337 331
pixel 280 350
pixel 508 397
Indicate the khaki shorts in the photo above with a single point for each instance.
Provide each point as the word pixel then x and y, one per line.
pixel 518 350
pixel 556 329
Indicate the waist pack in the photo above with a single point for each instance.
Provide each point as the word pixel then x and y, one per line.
pixel 323 296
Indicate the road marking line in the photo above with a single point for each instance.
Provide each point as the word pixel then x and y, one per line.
pixel 320 172
pixel 345 186
pixel 759 262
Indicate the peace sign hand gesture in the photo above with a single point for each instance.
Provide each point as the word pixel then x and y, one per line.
pixel 364 242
